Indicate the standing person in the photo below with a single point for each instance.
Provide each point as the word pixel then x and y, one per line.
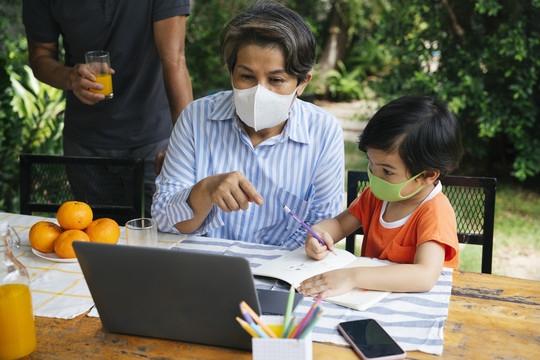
pixel 151 82
pixel 237 157
pixel 410 143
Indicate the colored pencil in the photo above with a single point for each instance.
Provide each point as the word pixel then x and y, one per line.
pixel 306 318
pixel 246 327
pixel 289 211
pixel 287 331
pixel 252 323
pixel 255 317
pixel 288 310
pixel 300 328
pixel 310 326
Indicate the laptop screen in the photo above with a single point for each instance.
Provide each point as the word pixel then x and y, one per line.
pixel 185 296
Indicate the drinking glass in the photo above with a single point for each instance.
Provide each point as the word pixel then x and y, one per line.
pixel 142 232
pixel 100 64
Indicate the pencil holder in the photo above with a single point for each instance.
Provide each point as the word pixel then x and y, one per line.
pixel 282 349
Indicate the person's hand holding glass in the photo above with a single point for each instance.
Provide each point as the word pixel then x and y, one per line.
pixel 99 63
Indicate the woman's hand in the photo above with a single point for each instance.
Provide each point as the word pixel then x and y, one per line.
pixel 331 283
pixel 232 191
pixel 229 191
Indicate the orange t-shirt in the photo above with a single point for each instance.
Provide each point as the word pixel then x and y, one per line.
pixel 433 220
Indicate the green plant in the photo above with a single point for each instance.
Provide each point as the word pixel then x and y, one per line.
pixel 207 20
pixel 208 73
pixel 33 124
pixel 346 85
pixel 40 107
pixel 483 57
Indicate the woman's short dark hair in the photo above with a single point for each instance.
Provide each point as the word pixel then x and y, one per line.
pixel 423 131
pixel 271 24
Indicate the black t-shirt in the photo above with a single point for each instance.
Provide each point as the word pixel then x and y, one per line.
pixel 139 112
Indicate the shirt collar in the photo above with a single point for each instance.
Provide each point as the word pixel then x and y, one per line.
pixel 295 129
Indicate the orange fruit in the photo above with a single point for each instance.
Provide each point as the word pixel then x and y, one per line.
pixel 74 215
pixel 42 235
pixel 103 230
pixel 63 245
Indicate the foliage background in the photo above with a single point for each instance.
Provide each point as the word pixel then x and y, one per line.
pixel 482 56
pixel 488 57
pixel 30 112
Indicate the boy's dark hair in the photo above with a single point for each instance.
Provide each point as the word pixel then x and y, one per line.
pixel 269 24
pixel 422 130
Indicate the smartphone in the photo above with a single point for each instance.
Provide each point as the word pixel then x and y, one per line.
pixel 370 340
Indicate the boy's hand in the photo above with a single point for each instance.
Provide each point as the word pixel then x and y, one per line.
pixel 331 283
pixel 316 250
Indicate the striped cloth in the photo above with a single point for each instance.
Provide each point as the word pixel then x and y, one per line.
pixel 414 320
pixel 302 168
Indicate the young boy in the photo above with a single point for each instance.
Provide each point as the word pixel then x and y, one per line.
pixel 410 143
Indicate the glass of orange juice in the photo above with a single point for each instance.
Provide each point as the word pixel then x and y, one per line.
pixel 100 64
pixel 17 328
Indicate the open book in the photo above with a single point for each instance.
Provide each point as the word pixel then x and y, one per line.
pixel 296 266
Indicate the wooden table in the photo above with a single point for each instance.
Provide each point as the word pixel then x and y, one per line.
pixel 489 317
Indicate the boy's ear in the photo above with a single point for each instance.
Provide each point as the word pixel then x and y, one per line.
pixel 430 176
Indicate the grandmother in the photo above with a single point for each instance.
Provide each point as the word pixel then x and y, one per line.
pixel 237 157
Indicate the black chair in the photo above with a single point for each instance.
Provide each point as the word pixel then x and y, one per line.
pixel 47 181
pixel 473 200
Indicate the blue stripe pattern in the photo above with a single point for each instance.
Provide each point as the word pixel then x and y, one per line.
pixel 414 320
pixel 303 168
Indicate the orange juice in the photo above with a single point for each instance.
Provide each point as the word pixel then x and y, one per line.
pixel 17 329
pixel 106 81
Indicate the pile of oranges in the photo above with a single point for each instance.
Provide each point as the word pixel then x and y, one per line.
pixel 76 224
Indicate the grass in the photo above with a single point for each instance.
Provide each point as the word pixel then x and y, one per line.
pixel 516 211
pixel 515 227
pixel 354 158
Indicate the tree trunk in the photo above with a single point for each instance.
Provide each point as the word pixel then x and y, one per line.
pixel 336 45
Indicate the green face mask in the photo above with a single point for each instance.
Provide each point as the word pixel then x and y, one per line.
pixel 385 191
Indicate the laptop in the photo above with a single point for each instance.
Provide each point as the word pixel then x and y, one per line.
pixel 176 295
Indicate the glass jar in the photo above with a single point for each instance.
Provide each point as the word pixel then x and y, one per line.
pixel 17 328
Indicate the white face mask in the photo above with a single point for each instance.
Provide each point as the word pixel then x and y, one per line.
pixel 261 108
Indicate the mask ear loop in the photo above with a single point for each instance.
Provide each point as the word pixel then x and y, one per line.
pixel 295 92
pixel 416 176
pixel 410 181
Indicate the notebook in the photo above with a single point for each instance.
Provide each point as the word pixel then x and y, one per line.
pixel 295 267
pixel 160 293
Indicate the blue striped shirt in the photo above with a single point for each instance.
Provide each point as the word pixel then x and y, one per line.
pixel 303 168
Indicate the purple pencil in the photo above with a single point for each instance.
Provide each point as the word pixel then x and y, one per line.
pixel 289 211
